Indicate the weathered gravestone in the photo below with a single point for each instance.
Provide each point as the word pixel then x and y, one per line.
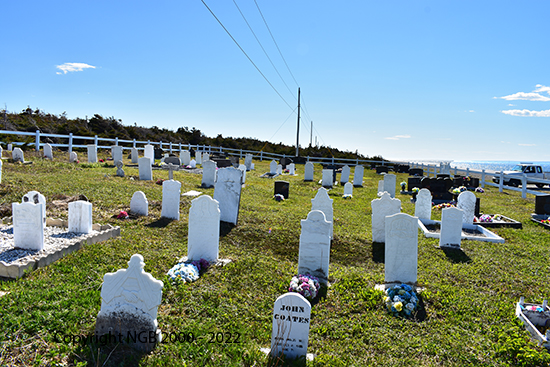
pixel 185 157
pixel 327 178
pixel 10 147
pixel 205 157
pixel 290 330
pixel 198 157
pixel 134 155
pixel 308 171
pixel 36 198
pixel 203 239
pixel 348 189
pixel 149 152
pixel 282 188
pixel 48 151
pixel 208 174
pixel 314 251
pixel 273 167
pixel 382 169
pixel 129 301
pixel 291 169
pixel 92 153
pixel 413 182
pixel 80 217
pixel 358 176
pixel 193 163
pixel 380 187
pixel 17 155
pixel 323 202
pixel 145 170
pixel 344 177
pixel 423 205
pixel 416 172
pixel 139 204
pixel 1 170
pixel 451 228
pixel 171 168
pixel 389 184
pixel 73 157
pixel 248 161
pixel 116 153
pixel 401 249
pixel 381 208
pixel 242 168
pixel 28 228
pixel 119 170
pixel 171 199
pixel 467 202
pixel 172 160
pixel 227 192
pixel 542 204
pixel 279 169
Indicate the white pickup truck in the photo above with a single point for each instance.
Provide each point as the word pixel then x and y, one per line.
pixel 532 171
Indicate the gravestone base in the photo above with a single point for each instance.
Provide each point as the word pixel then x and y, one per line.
pixel 472 232
pixel 219 262
pixel 533 320
pixel 383 287
pixel 127 324
pixel 538 218
pixel 267 351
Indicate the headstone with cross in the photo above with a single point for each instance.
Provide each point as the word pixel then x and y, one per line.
pixel 171 168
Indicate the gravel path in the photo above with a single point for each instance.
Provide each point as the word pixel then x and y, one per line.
pixel 55 238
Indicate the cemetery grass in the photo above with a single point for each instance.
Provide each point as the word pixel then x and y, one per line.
pixel 468 301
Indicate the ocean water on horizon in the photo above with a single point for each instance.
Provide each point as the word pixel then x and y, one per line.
pixel 490 166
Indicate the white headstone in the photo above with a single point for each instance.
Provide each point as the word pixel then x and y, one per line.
pixel 401 249
pixel 380 186
pixel 48 151
pixel 242 167
pixel 323 202
pixel 390 182
pixel 171 199
pixel 198 157
pixel 205 157
pixel 273 167
pixel 327 178
pixel 119 170
pixel 308 171
pixel 36 198
pixel 129 302
pixel 149 152
pixel 134 155
pixel 291 169
pixel 92 153
pixel 451 228
pixel 80 217
pixel 314 252
pixel 209 174
pixel 423 205
pixel 17 155
pixel 139 204
pixel 358 176
pixel 203 238
pixel 290 330
pixel 344 177
pixel 193 163
pixel 116 153
pixel 145 170
pixel 73 157
pixel 227 192
pixel 279 169
pixel 248 161
pixel 348 188
pixel 467 202
pixel 10 147
pixel 1 151
pixel 185 157
pixel 28 230
pixel 381 208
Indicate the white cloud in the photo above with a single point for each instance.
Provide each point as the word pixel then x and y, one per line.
pixel 471 111
pixel 73 66
pixel 542 88
pixel 397 137
pixel 511 105
pixel 545 113
pixel 527 145
pixel 392 138
pixel 526 97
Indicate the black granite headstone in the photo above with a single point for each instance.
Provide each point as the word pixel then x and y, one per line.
pixel 414 182
pixel 542 204
pixel 381 169
pixel 416 172
pixel 282 187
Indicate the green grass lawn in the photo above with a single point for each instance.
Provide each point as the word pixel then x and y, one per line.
pixel 468 302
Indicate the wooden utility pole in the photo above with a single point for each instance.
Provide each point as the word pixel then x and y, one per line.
pixel 298 128
pixel 310 134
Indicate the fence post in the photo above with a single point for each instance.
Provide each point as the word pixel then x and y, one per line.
pixel 524 186
pixel 70 142
pixel 180 146
pixel 261 155
pixel 96 141
pixel 241 156
pixel 468 172
pixel 37 141
pixel 116 141
pixel 455 170
pixel 160 145
pixel 501 181
pixel 483 178
pixel 134 143
pixel 170 147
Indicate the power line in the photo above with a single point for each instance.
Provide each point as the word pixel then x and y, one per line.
pixel 263 49
pixel 248 57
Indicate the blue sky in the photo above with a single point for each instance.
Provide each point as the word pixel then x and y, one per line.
pixel 407 80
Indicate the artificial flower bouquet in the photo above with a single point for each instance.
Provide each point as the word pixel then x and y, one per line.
pixel 305 284
pixel 279 197
pixel 401 300
pixel 188 271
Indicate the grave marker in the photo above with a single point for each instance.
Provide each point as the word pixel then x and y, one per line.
pixel 171 199
pixel 327 181
pixel 401 249
pixel 208 174
pixel 139 204
pixel 119 170
pixel 451 228
pixel 17 155
pixel 389 184
pixel 185 157
pixel 242 167
pixel 227 192
pixel 282 188
pixel 171 168
pixel 381 208
pixel 204 229
pixel 248 161
pixel 145 169
pixel 314 251
pixel 467 202
pixel 198 157
pixel 116 153
pixel 149 152
pixel 290 330
pixel 423 205
pixel 344 177
pixel 291 169
pixel 92 153
pixel 134 155
pixel 36 198
pixel 73 157
pixel 279 169
pixel 358 176
pixel 273 167
pixel 80 217
pixel 28 228
pixel 323 202
pixel 308 171
pixel 48 151
pixel 348 189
